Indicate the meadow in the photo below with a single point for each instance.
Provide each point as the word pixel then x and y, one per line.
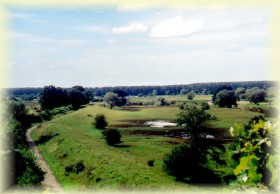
pixel 72 139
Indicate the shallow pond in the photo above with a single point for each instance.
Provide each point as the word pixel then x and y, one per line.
pixel 160 124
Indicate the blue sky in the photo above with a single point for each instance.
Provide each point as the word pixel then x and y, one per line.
pixel 113 46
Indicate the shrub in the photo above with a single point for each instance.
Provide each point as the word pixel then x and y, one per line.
pixel 191 95
pixel 205 106
pixel 34 118
pixel 188 162
pixel 112 136
pixel 75 168
pixel 46 136
pixel 161 102
pixel 100 121
pixel 151 163
pixel 27 172
pixel 45 115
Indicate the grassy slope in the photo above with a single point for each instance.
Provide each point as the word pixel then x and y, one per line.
pixel 115 167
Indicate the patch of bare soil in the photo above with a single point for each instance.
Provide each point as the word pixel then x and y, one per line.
pixel 49 183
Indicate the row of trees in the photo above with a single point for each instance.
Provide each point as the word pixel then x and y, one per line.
pixel 52 97
pixel 225 96
pixel 198 88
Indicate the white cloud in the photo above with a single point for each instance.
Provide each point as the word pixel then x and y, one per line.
pixel 176 26
pixel 133 27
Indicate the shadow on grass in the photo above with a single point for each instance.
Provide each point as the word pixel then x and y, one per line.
pixel 122 146
pixel 45 138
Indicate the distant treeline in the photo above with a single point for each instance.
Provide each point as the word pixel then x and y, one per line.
pixel 198 88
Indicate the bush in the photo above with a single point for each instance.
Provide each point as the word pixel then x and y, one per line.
pixel 75 168
pixel 100 121
pixel 112 136
pixel 34 118
pixel 205 106
pixel 191 95
pixel 161 102
pixel 27 172
pixel 151 163
pixel 46 136
pixel 188 163
pixel 45 115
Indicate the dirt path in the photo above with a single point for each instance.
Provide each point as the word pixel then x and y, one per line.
pixel 50 183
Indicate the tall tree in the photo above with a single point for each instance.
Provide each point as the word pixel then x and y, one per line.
pixel 122 97
pixel 52 97
pixel 111 99
pixel 256 96
pixel 78 97
pixel 226 98
pixel 220 88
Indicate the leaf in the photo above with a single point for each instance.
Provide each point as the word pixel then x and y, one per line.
pixel 243 165
pixel 253 175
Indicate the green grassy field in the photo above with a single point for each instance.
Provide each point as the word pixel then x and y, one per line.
pixel 125 166
pixel 106 167
pixel 178 98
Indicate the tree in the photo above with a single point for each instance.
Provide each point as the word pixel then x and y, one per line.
pixel 100 121
pixel 52 97
pixel 78 96
pixel 191 95
pixel 193 118
pixel 254 150
pixel 220 88
pixel 183 91
pixel 122 97
pixel 191 161
pixel 154 93
pixel 239 92
pixel 257 96
pixel 112 136
pixel 111 99
pixel 272 92
pixel 225 98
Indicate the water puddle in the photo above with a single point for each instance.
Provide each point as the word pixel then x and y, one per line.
pixel 160 124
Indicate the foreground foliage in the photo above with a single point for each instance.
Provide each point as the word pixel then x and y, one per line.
pixel 254 149
pixel 22 168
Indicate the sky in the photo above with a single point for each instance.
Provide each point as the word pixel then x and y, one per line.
pixel 117 46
